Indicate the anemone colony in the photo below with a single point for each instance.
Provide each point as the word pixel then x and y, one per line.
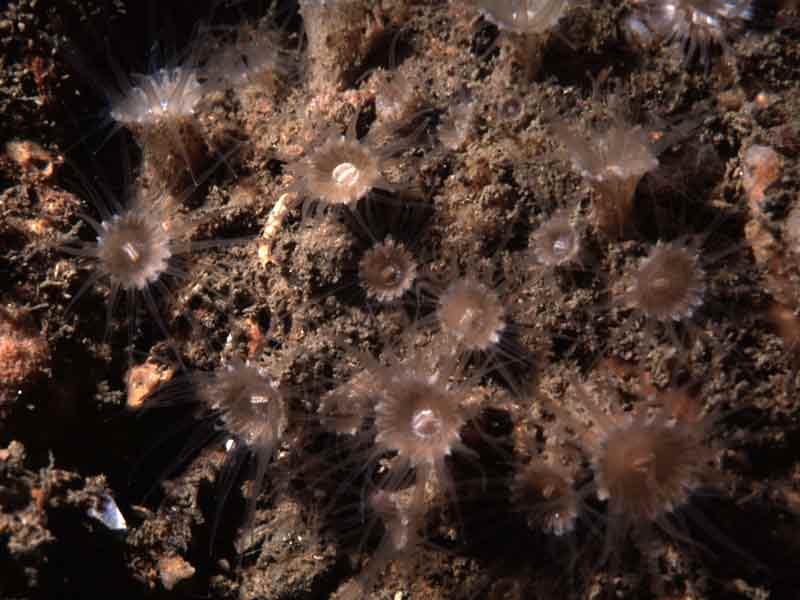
pixel 382 418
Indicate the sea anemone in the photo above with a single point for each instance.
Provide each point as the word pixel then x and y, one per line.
pixel 557 242
pixel 419 418
pixel 167 95
pixel 397 95
pixel 160 109
pixel 558 255
pixel 415 411
pixel 249 403
pixel 529 20
pixel 613 161
pixel 648 464
pixel 238 408
pixel 386 262
pixel 646 467
pixel 254 57
pixel 474 325
pixel 401 526
pixel 137 249
pixel 344 409
pixel 669 283
pixel 413 405
pixel 340 170
pixel 523 16
pixel 668 286
pixel 546 495
pixel 387 271
pixel 472 314
pixel 457 123
pixel 697 26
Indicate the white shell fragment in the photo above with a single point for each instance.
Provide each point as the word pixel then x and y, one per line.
pixel 107 512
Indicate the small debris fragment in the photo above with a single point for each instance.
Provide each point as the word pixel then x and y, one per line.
pixel 731 100
pixel 256 338
pixel 23 354
pixel 786 324
pixel 172 570
pixel 33 158
pixel 38 227
pixel 14 453
pixel 765 100
pixel 760 168
pixel 144 379
pixel 274 223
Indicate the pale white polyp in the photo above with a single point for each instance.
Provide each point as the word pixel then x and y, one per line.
pixel 346 174
pixel 131 252
pixel 423 422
